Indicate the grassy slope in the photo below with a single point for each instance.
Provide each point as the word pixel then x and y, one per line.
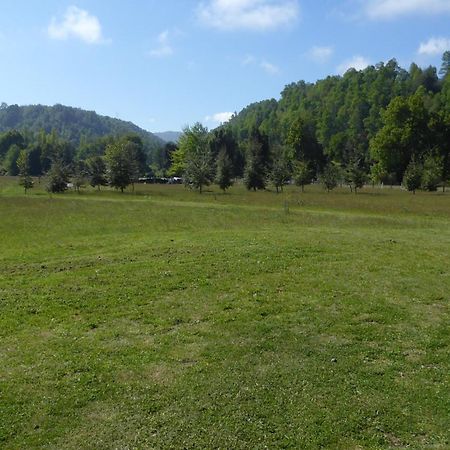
pixel 173 320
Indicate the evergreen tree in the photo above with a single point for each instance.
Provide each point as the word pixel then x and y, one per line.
pixel 257 161
pixel 224 170
pixel 355 176
pixel 58 177
pixel 445 67
pixel 330 176
pixel 96 169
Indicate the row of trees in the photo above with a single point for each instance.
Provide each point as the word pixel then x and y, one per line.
pixel 382 124
pixel 200 161
pixel 123 162
pixel 371 124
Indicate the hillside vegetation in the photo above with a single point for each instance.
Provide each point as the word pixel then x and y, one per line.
pixel 383 124
pixel 378 120
pixel 71 124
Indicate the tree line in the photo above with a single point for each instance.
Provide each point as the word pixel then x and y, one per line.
pixel 117 161
pixel 383 124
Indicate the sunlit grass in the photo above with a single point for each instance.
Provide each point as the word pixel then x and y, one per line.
pixel 167 319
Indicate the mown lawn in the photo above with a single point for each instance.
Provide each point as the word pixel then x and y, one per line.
pixel 166 319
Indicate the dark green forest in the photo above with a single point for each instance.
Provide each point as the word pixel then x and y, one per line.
pixel 379 121
pixel 383 124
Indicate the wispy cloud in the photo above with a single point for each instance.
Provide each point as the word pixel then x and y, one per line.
pixel 76 23
pixel 321 54
pixel 263 64
pixel 434 46
pixel 164 47
pixel 219 118
pixel 390 9
pixel 357 63
pixel 254 15
pixel 248 60
pixel 269 68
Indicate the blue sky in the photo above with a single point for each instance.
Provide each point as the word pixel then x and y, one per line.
pixel 166 64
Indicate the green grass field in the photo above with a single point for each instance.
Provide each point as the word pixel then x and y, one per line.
pixel 168 319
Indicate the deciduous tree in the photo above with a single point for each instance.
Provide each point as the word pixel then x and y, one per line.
pixel 24 170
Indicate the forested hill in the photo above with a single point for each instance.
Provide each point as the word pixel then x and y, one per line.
pixel 381 117
pixel 71 124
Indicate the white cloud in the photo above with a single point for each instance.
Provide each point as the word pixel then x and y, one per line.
pixel 254 15
pixel 263 64
pixel 389 9
pixel 357 63
pixel 321 54
pixel 269 68
pixel 248 60
pixel 164 48
pixel 219 118
pixel 434 46
pixel 76 23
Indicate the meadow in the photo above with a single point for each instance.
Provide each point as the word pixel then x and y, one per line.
pixel 166 319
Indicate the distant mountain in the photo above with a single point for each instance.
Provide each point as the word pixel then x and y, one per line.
pixel 73 124
pixel 169 136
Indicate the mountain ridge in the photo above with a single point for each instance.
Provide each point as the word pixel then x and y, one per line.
pixel 71 123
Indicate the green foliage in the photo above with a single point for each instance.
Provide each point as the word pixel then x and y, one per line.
pixel 281 170
pixel 10 163
pixel 379 115
pixel 197 157
pixel 120 168
pixel 79 174
pixel 445 67
pixel 72 124
pixel 8 139
pixel 404 135
pixel 96 171
pixel 161 159
pixel 222 138
pixel 224 170
pixel 302 174
pixel 24 170
pixel 330 176
pixel 432 173
pixel 412 179
pixel 57 177
pixel 193 138
pixel 257 161
pixel 355 176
